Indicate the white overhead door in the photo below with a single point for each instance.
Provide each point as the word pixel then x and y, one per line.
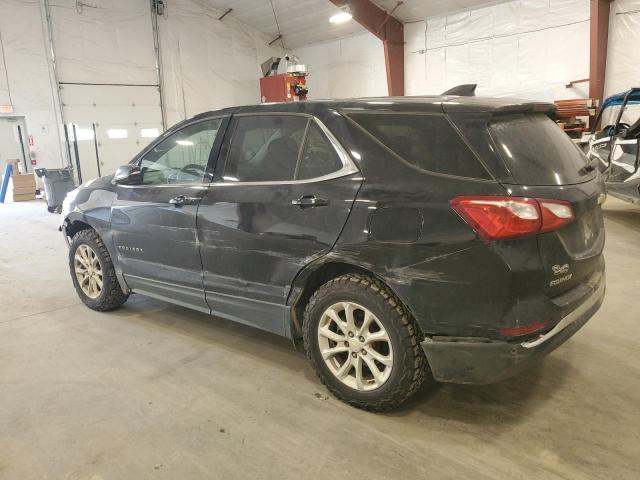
pixel 126 119
pixel 106 65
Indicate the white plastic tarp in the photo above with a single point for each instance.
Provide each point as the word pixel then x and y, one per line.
pixel 207 63
pixel 103 42
pixel 29 81
pixel 345 68
pixel 623 55
pixel 529 48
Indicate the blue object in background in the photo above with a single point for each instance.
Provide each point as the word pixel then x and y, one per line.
pixel 8 169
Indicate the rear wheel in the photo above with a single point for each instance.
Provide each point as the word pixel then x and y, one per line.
pixel 362 343
pixel 93 274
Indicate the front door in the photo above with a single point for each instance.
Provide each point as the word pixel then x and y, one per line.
pixel 286 193
pixel 154 223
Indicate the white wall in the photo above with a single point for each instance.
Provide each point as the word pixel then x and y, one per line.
pixel 208 64
pixel 346 68
pixel 112 43
pixel 526 48
pixel 623 54
pixel 29 85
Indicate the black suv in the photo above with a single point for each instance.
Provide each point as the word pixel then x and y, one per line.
pixel 397 239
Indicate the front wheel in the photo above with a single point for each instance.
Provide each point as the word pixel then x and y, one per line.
pixel 362 344
pixel 93 274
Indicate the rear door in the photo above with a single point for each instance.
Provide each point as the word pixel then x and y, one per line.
pixel 285 194
pixel 544 163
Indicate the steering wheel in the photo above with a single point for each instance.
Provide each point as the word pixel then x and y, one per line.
pixel 193 169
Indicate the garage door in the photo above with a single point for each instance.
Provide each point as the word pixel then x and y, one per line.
pixel 126 118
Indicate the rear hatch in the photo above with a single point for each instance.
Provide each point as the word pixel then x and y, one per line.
pixel 545 163
pixel 538 160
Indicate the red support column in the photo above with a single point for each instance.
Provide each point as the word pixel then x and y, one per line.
pixel 599 33
pixel 388 29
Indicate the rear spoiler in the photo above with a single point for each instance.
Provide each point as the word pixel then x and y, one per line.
pixel 499 107
pixel 464 90
pixel 548 109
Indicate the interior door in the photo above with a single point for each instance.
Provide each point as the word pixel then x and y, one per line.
pixel 154 223
pixel 624 160
pixel 287 191
pixel 600 149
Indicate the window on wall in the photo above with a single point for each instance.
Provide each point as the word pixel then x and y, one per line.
pixel 181 157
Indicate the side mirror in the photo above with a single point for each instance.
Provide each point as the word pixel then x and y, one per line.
pixel 128 175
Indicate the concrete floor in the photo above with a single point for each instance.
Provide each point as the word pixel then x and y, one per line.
pixel 158 391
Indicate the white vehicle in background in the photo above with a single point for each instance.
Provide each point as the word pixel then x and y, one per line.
pixel 613 147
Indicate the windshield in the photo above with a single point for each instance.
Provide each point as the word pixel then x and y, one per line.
pixel 537 152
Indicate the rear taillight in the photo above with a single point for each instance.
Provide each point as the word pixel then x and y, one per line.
pixel 500 217
pixel 555 214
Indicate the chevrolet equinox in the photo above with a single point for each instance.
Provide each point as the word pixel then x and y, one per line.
pixel 397 239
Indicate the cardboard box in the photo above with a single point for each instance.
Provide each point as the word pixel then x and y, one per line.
pixel 23 197
pixel 24 180
pixel 15 166
pixel 24 189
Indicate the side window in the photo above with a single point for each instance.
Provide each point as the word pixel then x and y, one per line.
pixel 427 141
pixel 265 148
pixel 181 157
pixel 319 156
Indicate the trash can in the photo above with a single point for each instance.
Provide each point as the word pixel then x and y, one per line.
pixel 57 183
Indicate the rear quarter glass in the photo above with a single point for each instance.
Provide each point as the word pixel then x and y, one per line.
pixel 537 152
pixel 426 141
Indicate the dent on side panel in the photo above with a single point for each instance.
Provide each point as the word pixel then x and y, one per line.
pixel 403 230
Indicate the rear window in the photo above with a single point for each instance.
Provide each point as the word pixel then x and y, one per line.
pixel 537 152
pixel 428 142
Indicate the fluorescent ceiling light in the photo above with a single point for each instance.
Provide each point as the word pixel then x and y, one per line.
pixel 149 132
pixel 116 133
pixel 184 143
pixel 341 17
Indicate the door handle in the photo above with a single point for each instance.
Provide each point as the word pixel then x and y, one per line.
pixel 181 200
pixel 310 201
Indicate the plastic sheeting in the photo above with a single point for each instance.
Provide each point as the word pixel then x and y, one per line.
pixel 109 43
pixel 623 55
pixel 32 93
pixel 207 63
pixel 346 68
pixel 526 48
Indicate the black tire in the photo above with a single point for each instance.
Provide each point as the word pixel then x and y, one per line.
pixel 410 367
pixel 111 296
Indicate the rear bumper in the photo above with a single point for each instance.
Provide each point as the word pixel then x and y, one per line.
pixel 481 361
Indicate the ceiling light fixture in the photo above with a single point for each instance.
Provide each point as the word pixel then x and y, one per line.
pixel 342 16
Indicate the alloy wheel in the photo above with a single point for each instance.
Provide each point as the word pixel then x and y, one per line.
pixel 88 271
pixel 355 346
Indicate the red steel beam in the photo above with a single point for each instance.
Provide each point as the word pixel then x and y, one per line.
pixel 599 35
pixel 388 29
